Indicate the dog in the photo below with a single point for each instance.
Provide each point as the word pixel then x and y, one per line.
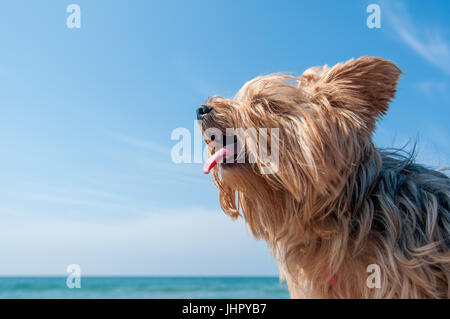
pixel 336 208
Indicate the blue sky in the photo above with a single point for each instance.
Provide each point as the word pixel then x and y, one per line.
pixel 86 117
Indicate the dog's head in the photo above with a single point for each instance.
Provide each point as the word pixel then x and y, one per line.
pixel 295 136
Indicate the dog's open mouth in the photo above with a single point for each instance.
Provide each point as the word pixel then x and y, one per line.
pixel 226 153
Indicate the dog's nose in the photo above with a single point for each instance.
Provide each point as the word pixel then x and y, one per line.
pixel 203 110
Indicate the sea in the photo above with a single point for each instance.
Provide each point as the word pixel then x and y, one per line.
pixel 143 288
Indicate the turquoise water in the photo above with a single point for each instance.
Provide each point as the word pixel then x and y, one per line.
pixel 144 287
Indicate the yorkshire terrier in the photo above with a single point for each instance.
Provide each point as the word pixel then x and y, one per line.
pixel 335 204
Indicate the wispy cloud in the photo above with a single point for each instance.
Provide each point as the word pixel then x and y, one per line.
pixel 23 199
pixel 153 170
pixel 141 143
pixel 204 242
pixel 57 199
pixel 428 42
pixel 432 88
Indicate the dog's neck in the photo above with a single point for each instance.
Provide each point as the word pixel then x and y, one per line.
pixel 311 237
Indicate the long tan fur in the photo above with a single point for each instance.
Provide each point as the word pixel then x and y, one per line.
pixel 337 204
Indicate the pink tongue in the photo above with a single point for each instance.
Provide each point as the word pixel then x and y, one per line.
pixel 217 156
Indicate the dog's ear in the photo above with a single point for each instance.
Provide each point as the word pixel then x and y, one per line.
pixel 364 86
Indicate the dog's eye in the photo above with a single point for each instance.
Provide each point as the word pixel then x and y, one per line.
pixel 213 137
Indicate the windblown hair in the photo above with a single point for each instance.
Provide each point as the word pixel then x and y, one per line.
pixel 336 204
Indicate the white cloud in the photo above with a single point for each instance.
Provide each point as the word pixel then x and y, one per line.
pixel 156 171
pixel 141 143
pixel 50 198
pixel 431 143
pixel 426 41
pixel 432 89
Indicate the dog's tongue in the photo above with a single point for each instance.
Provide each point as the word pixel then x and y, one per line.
pixel 217 156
